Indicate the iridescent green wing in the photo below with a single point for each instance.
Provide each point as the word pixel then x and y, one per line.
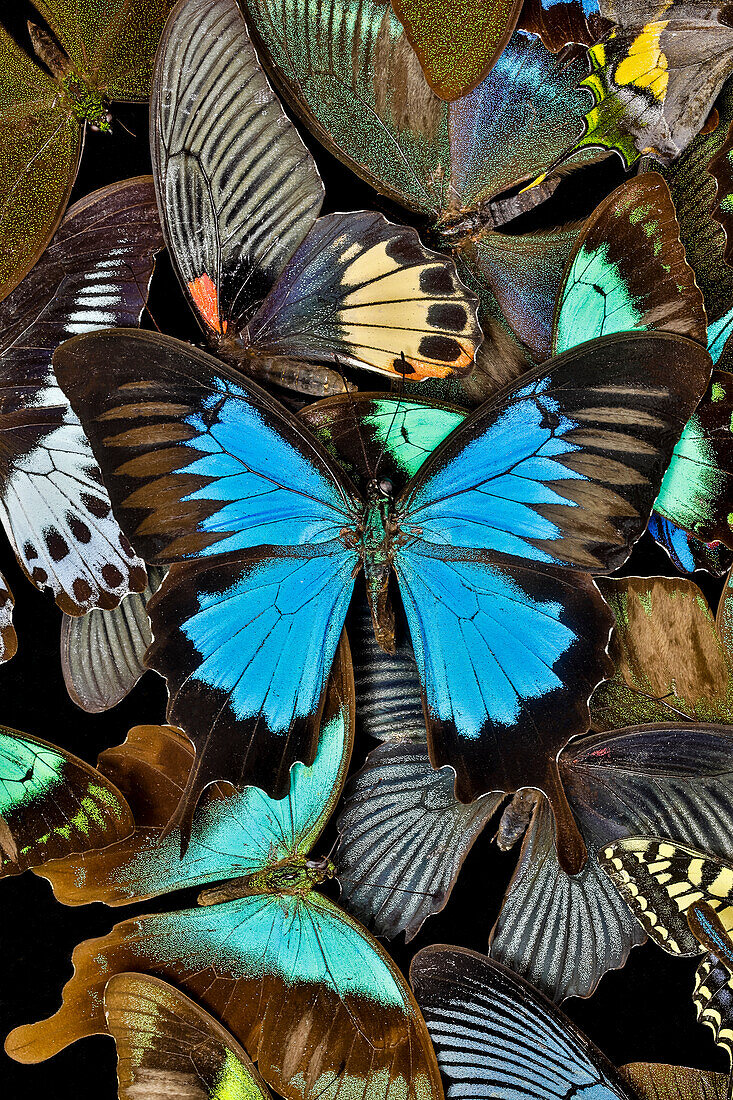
pixel 457 43
pixel 41 146
pixel 356 82
pixel 660 881
pixel 697 490
pixel 163 1037
pixel 111 43
pixel 671 660
pixel 53 804
pixel 693 189
pixel 231 835
pixel 628 271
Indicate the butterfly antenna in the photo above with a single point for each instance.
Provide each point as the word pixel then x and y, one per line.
pixel 400 396
pixel 389 889
pixel 125 128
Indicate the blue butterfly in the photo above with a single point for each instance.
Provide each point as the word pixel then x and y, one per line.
pixel 492 543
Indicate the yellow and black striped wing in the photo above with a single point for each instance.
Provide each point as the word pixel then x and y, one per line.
pixel 661 880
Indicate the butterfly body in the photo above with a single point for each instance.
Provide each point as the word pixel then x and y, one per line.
pixel 84 101
pixel 296 876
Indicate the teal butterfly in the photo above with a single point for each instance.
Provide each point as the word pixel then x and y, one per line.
pixel 311 996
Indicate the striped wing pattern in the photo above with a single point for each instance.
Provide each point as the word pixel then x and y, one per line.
pixel 495 1037
pixel 231 222
pixel 661 880
pixel 102 652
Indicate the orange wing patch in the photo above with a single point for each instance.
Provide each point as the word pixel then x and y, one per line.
pixel 206 296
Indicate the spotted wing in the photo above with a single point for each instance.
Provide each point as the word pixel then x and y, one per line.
pixel 95 274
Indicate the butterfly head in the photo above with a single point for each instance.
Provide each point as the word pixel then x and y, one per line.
pixel 87 104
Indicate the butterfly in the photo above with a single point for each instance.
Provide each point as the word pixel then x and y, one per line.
pixel 683 898
pixel 91 58
pixel 496 1036
pixel 52 804
pixel 165 1040
pixel 356 83
pixel 270 282
pixel 314 1000
pixel 191 453
pixel 102 652
pixel 53 507
pixel 403 836
pixel 654 79
pixel 713 994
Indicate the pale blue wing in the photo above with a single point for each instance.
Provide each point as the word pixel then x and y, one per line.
pixel 496 1037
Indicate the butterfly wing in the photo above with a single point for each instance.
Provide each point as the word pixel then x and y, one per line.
pixel 102 652
pixel 52 803
pixel 41 151
pixel 457 46
pixel 209 471
pixel 713 995
pixel 237 188
pixel 8 637
pixel 685 551
pixel 494 1035
pixel 654 1081
pixel 697 490
pixel 231 834
pixel 111 45
pixel 317 1003
pixel 491 516
pixel 628 271
pixel 162 1037
pixel 658 675
pixel 403 837
pixel 94 274
pixel 660 880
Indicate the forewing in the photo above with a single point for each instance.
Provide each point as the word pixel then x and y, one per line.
pixel 508 657
pixel 561 932
pixel 237 188
pixel 41 150
pixel 102 652
pixel 165 1040
pixel 403 837
pixel 495 1036
pixel 564 467
pixel 198 461
pixel 112 43
pixel 317 1002
pixel 357 83
pixel 628 271
pixel 95 274
pixel 52 804
pixel 660 880
pixel 360 290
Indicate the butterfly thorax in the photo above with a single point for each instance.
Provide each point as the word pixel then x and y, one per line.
pixel 295 876
pixel 378 531
pixel 85 102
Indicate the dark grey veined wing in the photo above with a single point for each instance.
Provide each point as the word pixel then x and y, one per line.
pixel 403 838
pixel 237 188
pixel 102 652
pixel 496 1037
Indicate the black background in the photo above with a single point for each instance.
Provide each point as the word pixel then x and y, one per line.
pixel 641 1013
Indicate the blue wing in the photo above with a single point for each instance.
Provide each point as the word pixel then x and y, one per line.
pixel 508 657
pixel 564 468
pixel 496 1037
pixel 210 474
pixel 246 645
